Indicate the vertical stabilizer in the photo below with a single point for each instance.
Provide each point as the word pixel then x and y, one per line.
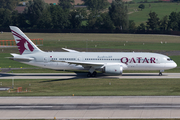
pixel 25 45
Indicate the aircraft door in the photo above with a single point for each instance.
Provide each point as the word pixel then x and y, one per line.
pixel 79 58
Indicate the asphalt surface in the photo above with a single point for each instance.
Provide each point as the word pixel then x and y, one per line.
pixel 83 75
pixel 90 107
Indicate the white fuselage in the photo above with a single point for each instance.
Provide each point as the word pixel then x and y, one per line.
pixel 112 63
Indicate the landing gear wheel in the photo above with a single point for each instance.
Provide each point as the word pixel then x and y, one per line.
pixel 160 73
pixel 94 74
pixel 89 74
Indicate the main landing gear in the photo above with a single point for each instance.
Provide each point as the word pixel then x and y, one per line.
pixel 92 74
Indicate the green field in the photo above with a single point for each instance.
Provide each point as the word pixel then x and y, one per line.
pixel 134 13
pixel 161 9
pixel 123 42
pixel 94 87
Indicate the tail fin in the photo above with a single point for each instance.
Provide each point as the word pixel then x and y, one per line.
pixel 25 45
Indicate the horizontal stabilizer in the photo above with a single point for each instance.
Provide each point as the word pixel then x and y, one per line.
pixel 14 54
pixel 19 57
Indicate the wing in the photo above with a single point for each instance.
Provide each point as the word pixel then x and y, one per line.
pixel 69 50
pixel 99 65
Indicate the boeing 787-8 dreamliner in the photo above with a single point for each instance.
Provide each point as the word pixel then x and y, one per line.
pixel 110 63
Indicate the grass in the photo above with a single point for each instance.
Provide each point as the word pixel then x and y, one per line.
pixel 133 42
pixel 94 87
pixel 134 13
pixel 58 37
pixel 7 63
pixel 161 9
pixel 37 70
pixel 131 46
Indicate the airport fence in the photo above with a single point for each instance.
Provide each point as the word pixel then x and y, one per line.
pixel 9 43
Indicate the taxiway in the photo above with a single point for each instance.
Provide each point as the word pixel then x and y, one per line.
pixel 90 107
pixel 83 75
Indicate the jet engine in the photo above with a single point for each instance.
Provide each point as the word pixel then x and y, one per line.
pixel 113 69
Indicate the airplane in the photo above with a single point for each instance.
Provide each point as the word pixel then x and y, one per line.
pixel 109 63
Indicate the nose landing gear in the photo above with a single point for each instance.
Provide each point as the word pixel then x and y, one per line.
pixel 160 72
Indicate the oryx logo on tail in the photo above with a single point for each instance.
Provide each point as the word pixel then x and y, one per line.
pixel 25 45
pixel 22 43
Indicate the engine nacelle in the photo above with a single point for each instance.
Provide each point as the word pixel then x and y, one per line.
pixel 113 69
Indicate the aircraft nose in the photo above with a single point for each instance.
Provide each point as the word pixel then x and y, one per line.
pixel 175 65
pixel 171 65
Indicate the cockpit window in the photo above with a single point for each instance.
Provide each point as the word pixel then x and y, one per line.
pixel 169 59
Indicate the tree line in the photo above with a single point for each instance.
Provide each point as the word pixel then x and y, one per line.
pixel 99 14
pixel 39 14
pixel 167 23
